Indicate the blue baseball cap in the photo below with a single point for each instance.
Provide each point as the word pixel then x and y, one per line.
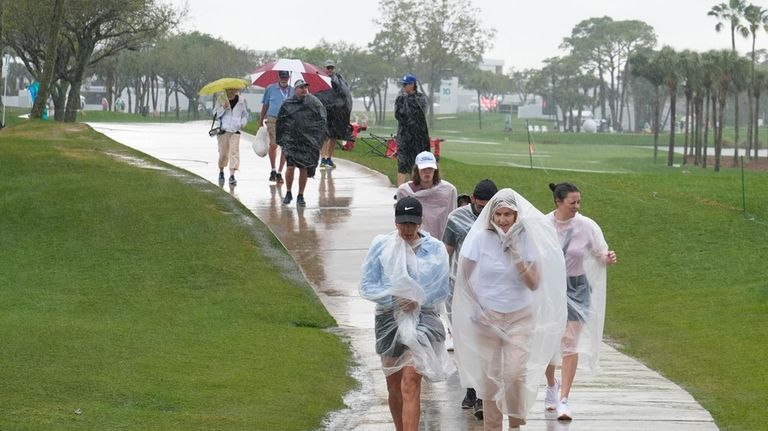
pixel 408 79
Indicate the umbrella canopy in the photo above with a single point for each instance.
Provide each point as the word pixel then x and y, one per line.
pixel 311 74
pixel 222 85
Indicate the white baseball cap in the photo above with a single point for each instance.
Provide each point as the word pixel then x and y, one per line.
pixel 425 159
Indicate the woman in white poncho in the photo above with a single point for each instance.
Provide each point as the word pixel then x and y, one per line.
pixel 508 306
pixel 586 256
pixel 406 274
pixel 436 195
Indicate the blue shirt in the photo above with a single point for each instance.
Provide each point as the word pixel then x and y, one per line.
pixel 274 97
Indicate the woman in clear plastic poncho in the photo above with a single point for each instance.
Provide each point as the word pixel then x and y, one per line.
pixel 508 306
pixel 586 256
pixel 406 274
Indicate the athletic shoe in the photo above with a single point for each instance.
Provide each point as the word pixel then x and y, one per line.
pixel 323 164
pixel 470 399
pixel 273 176
pixel 221 177
pixel 288 198
pixel 329 164
pixel 232 180
pixel 300 201
pixel 563 411
pixel 279 178
pixel 550 399
pixel 479 409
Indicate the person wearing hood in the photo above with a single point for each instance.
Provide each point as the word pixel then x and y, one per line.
pixel 300 131
pixel 406 274
pixel 459 223
pixel 412 132
pixel 338 105
pixel 436 195
pixel 507 305
pixel 274 96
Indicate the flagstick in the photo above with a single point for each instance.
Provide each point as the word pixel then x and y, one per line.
pixel 530 147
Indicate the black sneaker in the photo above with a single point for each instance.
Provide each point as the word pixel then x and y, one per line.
pixel 469 400
pixel 273 176
pixel 479 409
pixel 221 177
pixel 279 178
pixel 300 201
pixel 232 180
pixel 288 198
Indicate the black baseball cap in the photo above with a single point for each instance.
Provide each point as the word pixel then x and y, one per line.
pixel 485 189
pixel 408 210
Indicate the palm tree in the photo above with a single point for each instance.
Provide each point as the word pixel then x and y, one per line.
pixel 708 61
pixel 724 65
pixel 757 17
pixel 669 61
pixel 646 64
pixel 760 83
pixel 732 12
pixel 690 68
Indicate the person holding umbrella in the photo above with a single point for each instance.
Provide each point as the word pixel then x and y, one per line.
pixel 274 96
pixel 232 113
pixel 300 131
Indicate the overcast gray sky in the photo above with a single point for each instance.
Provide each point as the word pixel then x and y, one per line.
pixel 527 31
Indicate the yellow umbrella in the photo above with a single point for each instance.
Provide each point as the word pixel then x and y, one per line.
pixel 223 84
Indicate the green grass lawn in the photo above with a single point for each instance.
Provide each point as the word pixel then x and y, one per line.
pixel 690 294
pixel 148 299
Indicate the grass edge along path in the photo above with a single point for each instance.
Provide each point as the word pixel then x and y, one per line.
pixel 135 298
pixel 689 296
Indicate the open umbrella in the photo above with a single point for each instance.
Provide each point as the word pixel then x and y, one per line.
pixel 311 74
pixel 222 85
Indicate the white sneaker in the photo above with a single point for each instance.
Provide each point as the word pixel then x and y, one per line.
pixel 563 411
pixel 550 399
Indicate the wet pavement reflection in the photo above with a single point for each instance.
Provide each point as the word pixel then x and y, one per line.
pixel 329 238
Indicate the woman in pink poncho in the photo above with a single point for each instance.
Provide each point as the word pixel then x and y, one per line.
pixel 437 197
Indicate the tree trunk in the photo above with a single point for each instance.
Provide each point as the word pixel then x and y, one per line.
pixel 736 131
pixel 687 130
pixel 706 127
pixel 757 125
pixel 178 108
pixel 50 60
pixel 656 122
pixel 671 152
pixel 719 139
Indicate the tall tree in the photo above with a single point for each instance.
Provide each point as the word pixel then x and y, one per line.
pixel 46 80
pixel 646 64
pixel 439 35
pixel 757 18
pixel 669 61
pixel 731 13
pixel 723 67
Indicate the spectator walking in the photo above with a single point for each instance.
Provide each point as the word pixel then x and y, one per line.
pixel 586 257
pixel 412 132
pixel 507 307
pixel 338 105
pixel 406 274
pixel 459 223
pixel 300 130
pixel 232 114
pixel 274 96
pixel 436 195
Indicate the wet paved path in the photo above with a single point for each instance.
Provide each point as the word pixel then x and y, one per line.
pixel 329 239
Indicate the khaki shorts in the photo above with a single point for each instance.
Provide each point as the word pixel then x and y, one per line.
pixel 272 130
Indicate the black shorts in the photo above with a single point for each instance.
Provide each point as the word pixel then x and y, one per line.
pixel 579 298
pixel 386 343
pixel 405 161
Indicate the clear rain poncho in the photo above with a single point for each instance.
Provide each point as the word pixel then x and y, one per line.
pixel 584 245
pixel 338 105
pixel 505 333
pixel 437 201
pixel 301 130
pixel 395 271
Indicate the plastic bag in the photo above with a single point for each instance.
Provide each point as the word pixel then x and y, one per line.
pixel 261 142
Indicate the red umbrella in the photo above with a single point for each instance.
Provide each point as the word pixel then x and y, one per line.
pixel 311 74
